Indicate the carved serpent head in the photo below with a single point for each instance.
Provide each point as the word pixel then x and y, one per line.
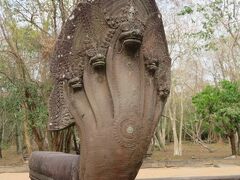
pixel 131 36
pixel 111 70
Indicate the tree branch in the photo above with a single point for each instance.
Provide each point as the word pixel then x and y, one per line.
pixel 5 75
pixel 30 20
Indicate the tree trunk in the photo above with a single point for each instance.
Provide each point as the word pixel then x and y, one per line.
pixel 159 139
pixel 55 140
pixel 177 146
pixel 1 153
pixel 177 150
pixel 172 110
pixel 46 141
pixel 176 142
pixel 238 142
pixel 238 139
pixel 162 133
pixel 39 139
pixel 150 148
pixel 2 126
pixel 18 139
pixel 62 10
pixel 233 143
pixel 61 140
pixel 77 148
pixel 181 126
pixel 26 138
pixel 1 131
pixel 50 140
pixel 54 5
pixel 68 138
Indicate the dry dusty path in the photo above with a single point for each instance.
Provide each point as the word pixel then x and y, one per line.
pixel 188 172
pixel 157 173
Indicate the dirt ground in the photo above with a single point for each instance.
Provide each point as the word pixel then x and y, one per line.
pixel 11 158
pixel 188 172
pixel 194 151
pixel 157 173
pixel 14 176
pixel 196 161
pixel 192 154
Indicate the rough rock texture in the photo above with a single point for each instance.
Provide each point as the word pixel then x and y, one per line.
pixel 111 70
pixel 53 166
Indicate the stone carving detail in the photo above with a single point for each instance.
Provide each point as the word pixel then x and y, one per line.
pixel 111 71
pixel 127 133
pixel 60 116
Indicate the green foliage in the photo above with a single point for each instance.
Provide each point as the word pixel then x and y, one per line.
pixel 206 101
pixel 186 10
pixel 220 106
pixel 39 113
pixel 28 32
pixel 19 95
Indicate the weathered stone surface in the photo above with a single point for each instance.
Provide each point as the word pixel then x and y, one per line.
pixel 54 166
pixel 111 71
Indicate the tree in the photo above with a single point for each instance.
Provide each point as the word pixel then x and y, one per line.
pixel 28 30
pixel 221 106
pixel 218 35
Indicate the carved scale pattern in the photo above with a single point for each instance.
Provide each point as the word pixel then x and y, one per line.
pixel 68 65
pixel 59 115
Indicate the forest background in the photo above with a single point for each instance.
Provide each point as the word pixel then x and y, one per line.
pixel 204 103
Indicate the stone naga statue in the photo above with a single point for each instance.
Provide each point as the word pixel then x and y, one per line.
pixel 111 71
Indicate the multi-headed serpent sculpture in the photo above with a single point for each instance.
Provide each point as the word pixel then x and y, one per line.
pixel 111 71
